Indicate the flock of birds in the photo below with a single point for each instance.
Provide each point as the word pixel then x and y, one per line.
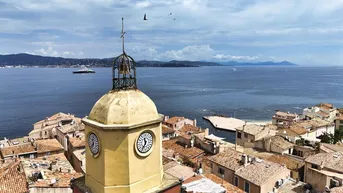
pixel 145 18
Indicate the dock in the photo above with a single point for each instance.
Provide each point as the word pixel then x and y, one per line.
pixel 225 123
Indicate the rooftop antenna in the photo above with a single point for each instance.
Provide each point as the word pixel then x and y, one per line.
pixel 122 32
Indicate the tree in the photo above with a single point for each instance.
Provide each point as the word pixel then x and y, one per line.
pixel 327 138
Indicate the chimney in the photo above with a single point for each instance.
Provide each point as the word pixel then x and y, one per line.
pixel 244 160
pixel 195 122
pixel 207 132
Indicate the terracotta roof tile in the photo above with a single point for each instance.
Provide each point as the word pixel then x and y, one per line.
pixel 228 158
pixel 71 128
pixel 298 130
pixel 18 150
pixel 174 120
pixel 337 190
pixel 167 130
pixel 191 152
pixel 77 142
pixel 290 163
pixel 54 167
pixel 229 187
pixel 330 148
pixel 252 129
pixel 281 142
pixel 260 172
pixel 333 161
pixel 48 145
pixel 13 179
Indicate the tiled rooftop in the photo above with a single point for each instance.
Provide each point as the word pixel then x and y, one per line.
pixel 325 106
pixel 50 171
pixel 229 158
pixel 13 179
pixel 260 172
pixel 174 120
pixel 191 152
pixel 284 114
pixel 340 117
pixel 281 142
pixel 48 145
pixel 298 130
pixel 77 141
pixel 68 128
pixel 337 190
pixel 80 154
pixel 17 150
pixel 330 148
pixel 290 163
pixel 312 124
pixel 251 129
pixel 333 161
pixel 167 130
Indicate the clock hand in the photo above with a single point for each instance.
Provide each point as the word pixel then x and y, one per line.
pixel 145 142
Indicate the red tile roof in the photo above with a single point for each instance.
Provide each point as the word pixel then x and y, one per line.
pixel 13 179
pixel 77 142
pixel 174 120
pixel 48 145
pixel 191 152
pixel 18 150
pixel 228 158
pixel 167 130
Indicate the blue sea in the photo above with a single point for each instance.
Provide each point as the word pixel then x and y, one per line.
pixel 28 95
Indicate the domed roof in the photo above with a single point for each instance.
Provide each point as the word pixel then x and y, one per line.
pixel 124 107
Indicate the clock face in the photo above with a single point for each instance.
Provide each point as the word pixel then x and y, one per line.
pixel 144 142
pixel 93 143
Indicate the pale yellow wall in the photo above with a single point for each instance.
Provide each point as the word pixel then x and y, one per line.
pixel 316 179
pixel 118 168
pixel 270 184
pixel 228 175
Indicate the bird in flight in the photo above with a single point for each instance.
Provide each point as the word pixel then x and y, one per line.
pixel 145 17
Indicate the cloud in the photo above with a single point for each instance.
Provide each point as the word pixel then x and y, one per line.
pixel 47 52
pixel 195 52
pixel 230 57
pixel 201 29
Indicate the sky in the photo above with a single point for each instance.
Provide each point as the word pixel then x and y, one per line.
pixel 305 32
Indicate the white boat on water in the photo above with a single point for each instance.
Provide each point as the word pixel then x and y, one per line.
pixel 234 69
pixel 83 70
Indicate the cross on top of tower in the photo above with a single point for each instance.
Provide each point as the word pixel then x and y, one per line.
pixel 124 69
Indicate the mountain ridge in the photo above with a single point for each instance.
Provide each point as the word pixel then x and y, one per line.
pixel 29 60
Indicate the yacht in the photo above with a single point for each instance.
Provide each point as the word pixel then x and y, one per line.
pixel 83 70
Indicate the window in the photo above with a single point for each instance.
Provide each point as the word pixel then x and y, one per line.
pixel 45 133
pixel 314 166
pixel 245 135
pixel 221 171
pixel 211 165
pixel 239 135
pixel 236 181
pixel 246 187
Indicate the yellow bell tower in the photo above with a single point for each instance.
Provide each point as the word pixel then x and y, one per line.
pixel 123 136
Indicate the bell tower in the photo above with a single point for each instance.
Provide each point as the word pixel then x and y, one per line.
pixel 123 136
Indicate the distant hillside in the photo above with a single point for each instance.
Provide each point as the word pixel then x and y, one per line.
pixel 44 61
pixel 267 63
